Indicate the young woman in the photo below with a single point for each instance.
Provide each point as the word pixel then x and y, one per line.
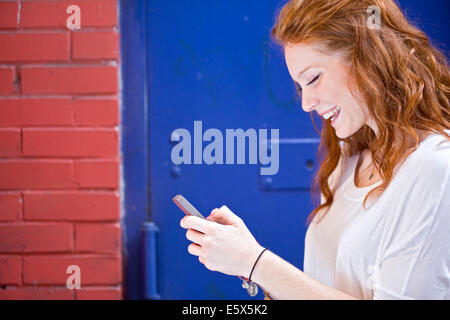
pixel 382 229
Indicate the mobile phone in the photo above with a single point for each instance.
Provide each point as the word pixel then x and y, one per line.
pixel 186 207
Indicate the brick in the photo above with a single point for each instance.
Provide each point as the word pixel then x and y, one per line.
pixel 99 13
pixel 36 293
pixel 96 174
pixel 94 270
pixel 35 174
pixel 97 237
pixel 69 80
pixel 38 112
pixel 10 270
pixel 95 45
pixel 27 47
pixel 10 206
pixel 32 237
pixel 9 143
pixel 8 15
pixel 35 112
pixel 70 143
pixel 71 206
pixel 96 112
pixel 96 293
pixel 7 81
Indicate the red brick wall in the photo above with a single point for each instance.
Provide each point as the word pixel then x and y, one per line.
pixel 59 150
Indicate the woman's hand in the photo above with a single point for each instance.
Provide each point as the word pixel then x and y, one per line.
pixel 222 242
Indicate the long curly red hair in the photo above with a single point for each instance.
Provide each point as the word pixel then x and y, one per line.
pixel 402 76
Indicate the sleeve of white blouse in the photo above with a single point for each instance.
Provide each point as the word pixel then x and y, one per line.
pixel 416 262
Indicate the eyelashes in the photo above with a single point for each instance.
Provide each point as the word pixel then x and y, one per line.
pixel 299 88
pixel 313 80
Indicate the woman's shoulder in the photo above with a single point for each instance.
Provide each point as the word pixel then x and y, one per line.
pixel 426 171
pixel 422 190
pixel 433 154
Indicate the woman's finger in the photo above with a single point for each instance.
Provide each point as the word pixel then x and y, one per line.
pixel 195 236
pixel 199 224
pixel 195 249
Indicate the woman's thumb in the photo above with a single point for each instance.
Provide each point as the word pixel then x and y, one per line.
pixel 224 215
pixel 229 215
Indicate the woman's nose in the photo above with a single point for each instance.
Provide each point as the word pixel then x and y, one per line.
pixel 309 103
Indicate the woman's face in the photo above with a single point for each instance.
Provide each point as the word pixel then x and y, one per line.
pixel 324 80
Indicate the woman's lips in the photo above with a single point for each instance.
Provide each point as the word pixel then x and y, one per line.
pixel 336 117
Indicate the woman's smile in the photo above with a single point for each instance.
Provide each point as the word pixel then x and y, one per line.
pixel 335 117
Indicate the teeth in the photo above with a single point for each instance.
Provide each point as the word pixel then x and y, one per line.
pixel 332 112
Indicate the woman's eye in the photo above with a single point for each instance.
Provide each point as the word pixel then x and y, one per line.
pixel 299 88
pixel 312 81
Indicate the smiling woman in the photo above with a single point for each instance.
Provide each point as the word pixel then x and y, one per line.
pixel 391 83
pixel 383 92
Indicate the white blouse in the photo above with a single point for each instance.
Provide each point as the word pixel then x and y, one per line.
pixel 397 248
